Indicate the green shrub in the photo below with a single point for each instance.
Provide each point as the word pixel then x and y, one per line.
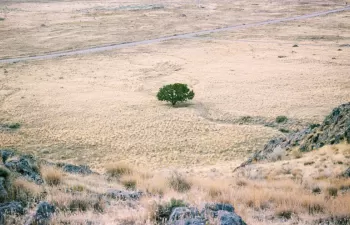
pixel 174 93
pixel 285 214
pixel 163 211
pixel 4 172
pixel 284 130
pixel 129 184
pixel 281 119
pixel 314 125
pixel 2 19
pixel 79 204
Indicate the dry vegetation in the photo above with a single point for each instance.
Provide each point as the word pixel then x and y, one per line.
pixel 100 109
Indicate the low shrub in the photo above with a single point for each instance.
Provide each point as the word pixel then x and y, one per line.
pixel 118 169
pixel 281 119
pixel 163 211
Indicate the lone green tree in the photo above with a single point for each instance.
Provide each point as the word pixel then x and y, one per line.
pixel 174 93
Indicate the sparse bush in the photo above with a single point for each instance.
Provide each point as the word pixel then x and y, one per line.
pixel 78 188
pixel 314 125
pixel 179 183
pixel 2 19
pixel 118 169
pixel 284 130
pixel 285 214
pixel 162 211
pixel 281 119
pixel 52 176
pixel 174 93
pixel 78 204
pixel 316 190
pixel 129 184
pixel 332 191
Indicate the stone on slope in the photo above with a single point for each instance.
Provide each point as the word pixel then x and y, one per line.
pixel 82 169
pixel 124 195
pixel 229 218
pixel 43 213
pixel 26 166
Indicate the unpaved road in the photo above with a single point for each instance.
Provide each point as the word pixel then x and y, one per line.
pixel 180 36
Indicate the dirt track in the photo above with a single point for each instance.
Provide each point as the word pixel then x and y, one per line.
pixel 181 36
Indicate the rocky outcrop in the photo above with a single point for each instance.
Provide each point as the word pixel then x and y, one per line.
pixel 43 214
pixel 334 129
pixel 223 214
pixel 346 173
pixel 6 154
pixel 27 167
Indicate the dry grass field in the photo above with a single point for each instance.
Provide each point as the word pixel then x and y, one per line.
pixel 101 108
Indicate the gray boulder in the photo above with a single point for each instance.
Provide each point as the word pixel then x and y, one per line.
pixel 27 167
pixel 43 214
pixel 229 218
pixel 123 195
pixel 11 208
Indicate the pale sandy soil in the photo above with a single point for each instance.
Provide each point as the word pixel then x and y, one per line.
pixel 34 27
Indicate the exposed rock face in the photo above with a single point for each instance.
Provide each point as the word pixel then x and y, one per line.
pixel 124 195
pixel 43 214
pixel 223 213
pixel 26 166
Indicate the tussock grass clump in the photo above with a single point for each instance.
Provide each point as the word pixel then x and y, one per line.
pixel 129 184
pixel 25 191
pixel 332 191
pixel 118 169
pixel 52 176
pixel 178 183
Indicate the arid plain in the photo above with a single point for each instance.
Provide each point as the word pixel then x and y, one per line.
pixel 99 108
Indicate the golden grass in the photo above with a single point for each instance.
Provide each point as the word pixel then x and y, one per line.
pixel 52 176
pixel 118 169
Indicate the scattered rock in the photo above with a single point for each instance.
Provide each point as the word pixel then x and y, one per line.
pixel 189 222
pixel 11 208
pixel 25 165
pixel 82 169
pixel 124 195
pixel 43 214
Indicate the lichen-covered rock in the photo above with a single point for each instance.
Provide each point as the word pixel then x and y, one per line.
pixel 26 166
pixel 11 208
pixel 181 213
pixel 43 214
pixel 123 195
pixel 229 218
pixel 82 169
